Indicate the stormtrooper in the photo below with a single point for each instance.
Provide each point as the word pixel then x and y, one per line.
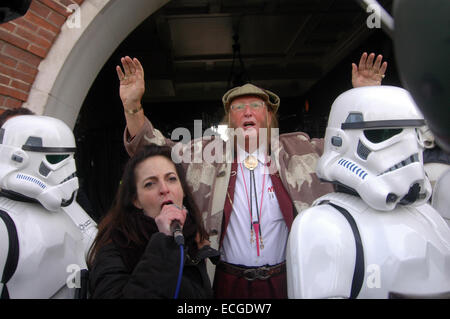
pixel 376 237
pixel 437 168
pixel 44 233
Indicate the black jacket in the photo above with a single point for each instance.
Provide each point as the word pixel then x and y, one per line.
pixel 154 274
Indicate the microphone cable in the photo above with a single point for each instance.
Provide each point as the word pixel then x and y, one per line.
pixel 179 240
pixel 180 272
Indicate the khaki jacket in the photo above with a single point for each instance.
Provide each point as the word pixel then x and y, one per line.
pixel 295 158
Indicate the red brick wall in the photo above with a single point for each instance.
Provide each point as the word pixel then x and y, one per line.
pixel 24 43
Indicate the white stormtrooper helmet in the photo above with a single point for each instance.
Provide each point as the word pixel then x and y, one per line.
pixel 36 160
pixel 373 148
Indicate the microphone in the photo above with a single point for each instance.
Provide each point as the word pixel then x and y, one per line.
pixel 175 228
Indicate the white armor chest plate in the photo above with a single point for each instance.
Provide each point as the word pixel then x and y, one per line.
pixel 406 251
pixel 49 243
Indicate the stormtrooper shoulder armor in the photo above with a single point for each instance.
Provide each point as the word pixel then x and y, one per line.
pixel 441 198
pixel 321 254
pixel 46 244
pixel 402 252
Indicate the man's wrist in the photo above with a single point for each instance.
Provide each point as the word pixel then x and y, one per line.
pixel 133 110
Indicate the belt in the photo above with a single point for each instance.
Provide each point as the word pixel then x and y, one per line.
pixel 261 273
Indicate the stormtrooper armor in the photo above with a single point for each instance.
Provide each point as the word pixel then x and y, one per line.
pixel 436 163
pixel 44 233
pixel 377 237
pixel 441 200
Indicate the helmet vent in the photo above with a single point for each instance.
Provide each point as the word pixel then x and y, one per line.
pixel 363 151
pixel 44 170
pixel 353 168
pixel 69 177
pixel 412 159
pixel 31 179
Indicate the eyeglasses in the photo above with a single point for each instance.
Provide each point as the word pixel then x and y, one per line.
pixel 239 107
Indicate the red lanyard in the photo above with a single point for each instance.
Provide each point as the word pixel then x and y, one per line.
pixel 255 225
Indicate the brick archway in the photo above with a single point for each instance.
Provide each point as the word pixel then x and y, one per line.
pixel 50 57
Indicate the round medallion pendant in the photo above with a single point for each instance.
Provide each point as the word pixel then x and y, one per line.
pixel 251 162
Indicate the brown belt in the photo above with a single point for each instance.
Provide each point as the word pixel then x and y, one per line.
pixel 251 274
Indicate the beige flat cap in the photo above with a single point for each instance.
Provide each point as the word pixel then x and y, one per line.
pixel 270 98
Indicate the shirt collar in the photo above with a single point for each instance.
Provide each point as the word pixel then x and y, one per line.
pixel 259 153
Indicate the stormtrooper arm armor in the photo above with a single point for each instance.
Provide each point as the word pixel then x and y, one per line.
pixel 4 247
pixel 9 252
pixel 84 222
pixel 440 200
pixel 321 255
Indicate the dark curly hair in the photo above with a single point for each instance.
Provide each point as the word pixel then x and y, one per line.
pixel 13 112
pixel 126 219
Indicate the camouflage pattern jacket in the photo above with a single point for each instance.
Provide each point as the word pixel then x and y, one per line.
pixel 295 157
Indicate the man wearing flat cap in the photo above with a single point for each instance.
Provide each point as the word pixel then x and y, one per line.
pixel 251 192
